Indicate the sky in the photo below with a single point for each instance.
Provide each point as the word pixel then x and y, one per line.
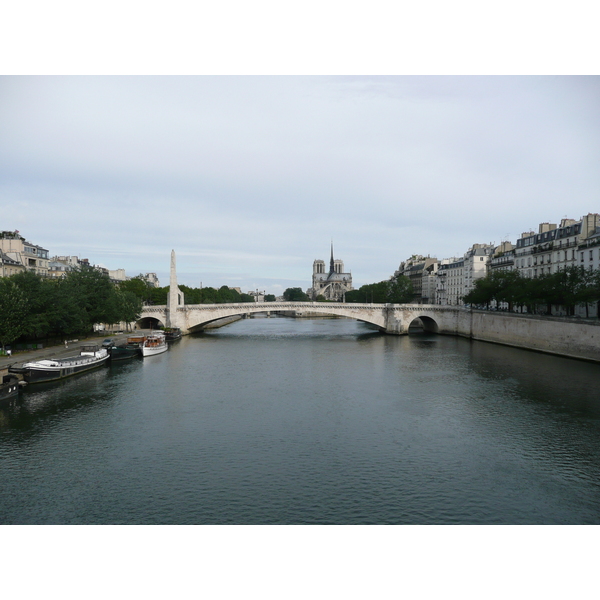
pixel 251 178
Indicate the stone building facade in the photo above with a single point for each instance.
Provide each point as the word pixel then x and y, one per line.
pixel 33 258
pixel 333 284
pixel 556 247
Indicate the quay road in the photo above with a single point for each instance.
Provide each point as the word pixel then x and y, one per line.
pixel 59 351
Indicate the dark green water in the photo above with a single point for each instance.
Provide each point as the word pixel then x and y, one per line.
pixel 271 421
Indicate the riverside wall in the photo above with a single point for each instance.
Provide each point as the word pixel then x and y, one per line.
pixel 569 337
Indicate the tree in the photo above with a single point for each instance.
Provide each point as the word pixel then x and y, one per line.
pixel 38 291
pixel 270 298
pixel 295 295
pixel 158 295
pixel 93 290
pixel 506 286
pixel 400 290
pixel 13 309
pixel 481 294
pixel 128 307
pixel 139 286
pixel 397 290
pixel 66 313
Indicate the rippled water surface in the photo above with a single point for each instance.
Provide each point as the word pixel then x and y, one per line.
pixel 309 421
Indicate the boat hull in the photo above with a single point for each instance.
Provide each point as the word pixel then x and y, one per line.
pixel 152 350
pixel 9 388
pixel 155 343
pixel 172 334
pixel 123 352
pixel 52 370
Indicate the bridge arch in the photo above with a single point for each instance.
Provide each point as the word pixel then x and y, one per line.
pixel 147 322
pixel 429 324
pixel 196 316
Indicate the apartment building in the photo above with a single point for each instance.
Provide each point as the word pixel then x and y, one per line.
pixel 503 258
pixel 421 270
pixel 9 266
pixel 33 258
pixel 456 277
pixel 589 251
pixel 554 247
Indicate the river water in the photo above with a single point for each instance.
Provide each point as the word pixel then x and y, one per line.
pixel 299 421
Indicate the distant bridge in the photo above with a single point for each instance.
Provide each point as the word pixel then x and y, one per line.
pixel 389 318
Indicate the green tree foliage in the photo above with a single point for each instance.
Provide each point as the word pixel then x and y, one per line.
pixel 128 306
pixel 140 287
pixel 270 298
pixel 210 295
pixel 36 307
pixel 13 309
pixel 39 293
pixel 67 314
pixel 93 292
pixel 158 295
pixel 400 290
pixel 295 295
pixel 566 288
pixel 499 286
pixel 397 290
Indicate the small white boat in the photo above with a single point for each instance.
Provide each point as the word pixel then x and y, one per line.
pixel 155 343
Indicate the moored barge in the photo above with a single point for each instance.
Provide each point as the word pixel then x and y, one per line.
pixel 133 347
pixel 9 388
pixel 172 333
pixel 91 357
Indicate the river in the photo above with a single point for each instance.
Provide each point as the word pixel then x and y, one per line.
pixel 309 421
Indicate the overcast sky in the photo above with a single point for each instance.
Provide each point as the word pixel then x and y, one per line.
pixel 250 178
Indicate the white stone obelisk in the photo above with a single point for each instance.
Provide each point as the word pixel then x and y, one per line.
pixel 175 297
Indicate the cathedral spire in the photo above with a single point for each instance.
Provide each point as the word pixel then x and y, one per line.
pixel 331 265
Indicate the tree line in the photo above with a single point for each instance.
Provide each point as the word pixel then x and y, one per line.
pixel 205 295
pixel 397 290
pixel 564 289
pixel 33 307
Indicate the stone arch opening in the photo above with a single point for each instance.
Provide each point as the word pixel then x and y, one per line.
pixel 196 324
pixel 149 323
pixel 423 324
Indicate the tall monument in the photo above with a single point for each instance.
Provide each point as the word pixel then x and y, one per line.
pixel 175 297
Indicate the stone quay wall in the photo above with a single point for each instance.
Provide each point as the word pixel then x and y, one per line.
pixel 570 337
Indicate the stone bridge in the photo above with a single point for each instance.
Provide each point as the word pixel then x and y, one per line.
pixel 564 337
pixel 389 318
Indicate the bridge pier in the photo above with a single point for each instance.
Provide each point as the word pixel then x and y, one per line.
pixel 394 323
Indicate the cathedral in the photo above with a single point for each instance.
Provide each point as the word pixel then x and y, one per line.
pixel 332 285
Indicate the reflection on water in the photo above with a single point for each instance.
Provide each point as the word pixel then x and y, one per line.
pixel 309 421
